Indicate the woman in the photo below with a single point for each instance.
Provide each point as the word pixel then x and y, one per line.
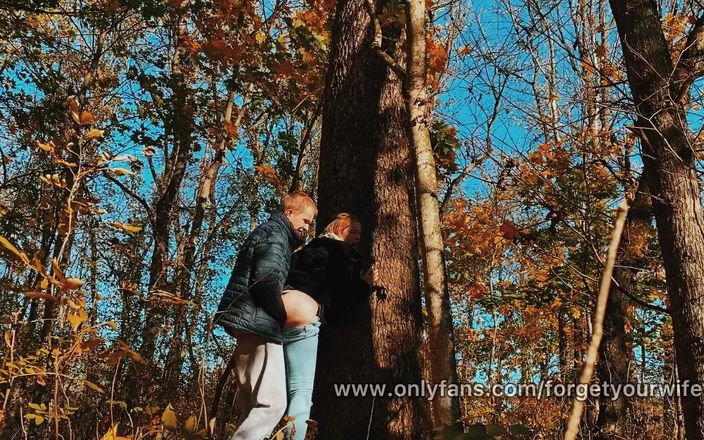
pixel 326 279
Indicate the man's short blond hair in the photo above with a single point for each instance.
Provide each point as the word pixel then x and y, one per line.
pixel 298 201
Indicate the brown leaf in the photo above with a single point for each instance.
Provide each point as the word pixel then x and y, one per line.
pixel 93 386
pixel 48 147
pixel 57 271
pixel 112 434
pixel 123 347
pixel 121 172
pixel 87 118
pixel 284 68
pixel 72 283
pixel 509 230
pixel 600 51
pixel 91 344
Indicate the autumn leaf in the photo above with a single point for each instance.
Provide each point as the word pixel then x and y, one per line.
pixel 77 319
pixel 14 251
pixel 91 344
pixel 39 295
pixel 49 147
pixel 38 419
pixel 121 172
pixel 73 106
pixel 284 68
pixel 465 50
pixel 124 348
pixel 268 173
pixel 165 297
pixel 169 419
pixel 600 50
pixel 437 56
pixel 58 273
pixel 127 227
pixel 72 284
pixel 509 231
pixel 93 386
pixel 189 426
pixel 87 118
pixel 94 133
pixel 231 128
pixel 112 434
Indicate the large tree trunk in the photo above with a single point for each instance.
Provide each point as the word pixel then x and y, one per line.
pixel 442 356
pixel 616 350
pixel 669 165
pixel 365 164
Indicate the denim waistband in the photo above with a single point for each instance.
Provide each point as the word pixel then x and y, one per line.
pixel 307 331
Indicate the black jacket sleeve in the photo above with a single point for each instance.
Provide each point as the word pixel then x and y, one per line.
pixel 348 288
pixel 268 276
pixel 358 290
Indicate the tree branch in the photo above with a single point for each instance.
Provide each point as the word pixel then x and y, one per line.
pixel 593 350
pixel 639 301
pixel 691 63
pixel 376 43
pixel 455 182
pixel 134 195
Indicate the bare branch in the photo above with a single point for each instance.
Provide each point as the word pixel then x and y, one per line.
pixel 132 194
pixel 593 351
pixel 691 63
pixel 376 44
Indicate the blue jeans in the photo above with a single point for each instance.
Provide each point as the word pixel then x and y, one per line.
pixel 300 354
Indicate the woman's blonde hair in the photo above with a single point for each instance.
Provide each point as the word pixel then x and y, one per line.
pixel 341 222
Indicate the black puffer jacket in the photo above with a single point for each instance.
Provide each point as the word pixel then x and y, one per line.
pixel 329 271
pixel 252 299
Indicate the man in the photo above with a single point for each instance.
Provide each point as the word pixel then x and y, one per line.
pixel 252 311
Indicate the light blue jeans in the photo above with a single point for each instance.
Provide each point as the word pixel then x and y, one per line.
pixel 300 354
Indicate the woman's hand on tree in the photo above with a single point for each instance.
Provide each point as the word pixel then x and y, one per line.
pixel 371 276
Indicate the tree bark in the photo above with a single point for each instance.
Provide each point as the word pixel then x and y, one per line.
pixel 365 164
pixel 442 356
pixel 669 165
